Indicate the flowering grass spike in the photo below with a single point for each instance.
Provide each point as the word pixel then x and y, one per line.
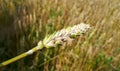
pixel 57 38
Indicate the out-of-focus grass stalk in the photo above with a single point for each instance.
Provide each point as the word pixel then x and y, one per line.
pixel 62 37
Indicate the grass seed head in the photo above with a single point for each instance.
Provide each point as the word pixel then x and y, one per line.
pixel 65 35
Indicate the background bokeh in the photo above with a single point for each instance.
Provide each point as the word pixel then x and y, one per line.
pixel 25 22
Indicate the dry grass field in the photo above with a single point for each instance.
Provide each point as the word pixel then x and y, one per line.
pixel 25 22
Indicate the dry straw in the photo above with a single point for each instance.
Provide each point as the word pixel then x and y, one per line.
pixel 58 38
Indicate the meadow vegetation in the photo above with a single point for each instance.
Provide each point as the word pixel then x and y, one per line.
pixel 23 23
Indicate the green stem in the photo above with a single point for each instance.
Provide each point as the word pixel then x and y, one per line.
pixel 13 59
pixel 40 46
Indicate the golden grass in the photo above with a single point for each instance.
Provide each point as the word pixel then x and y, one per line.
pixel 30 21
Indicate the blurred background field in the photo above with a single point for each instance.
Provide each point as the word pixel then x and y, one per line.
pixel 25 22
